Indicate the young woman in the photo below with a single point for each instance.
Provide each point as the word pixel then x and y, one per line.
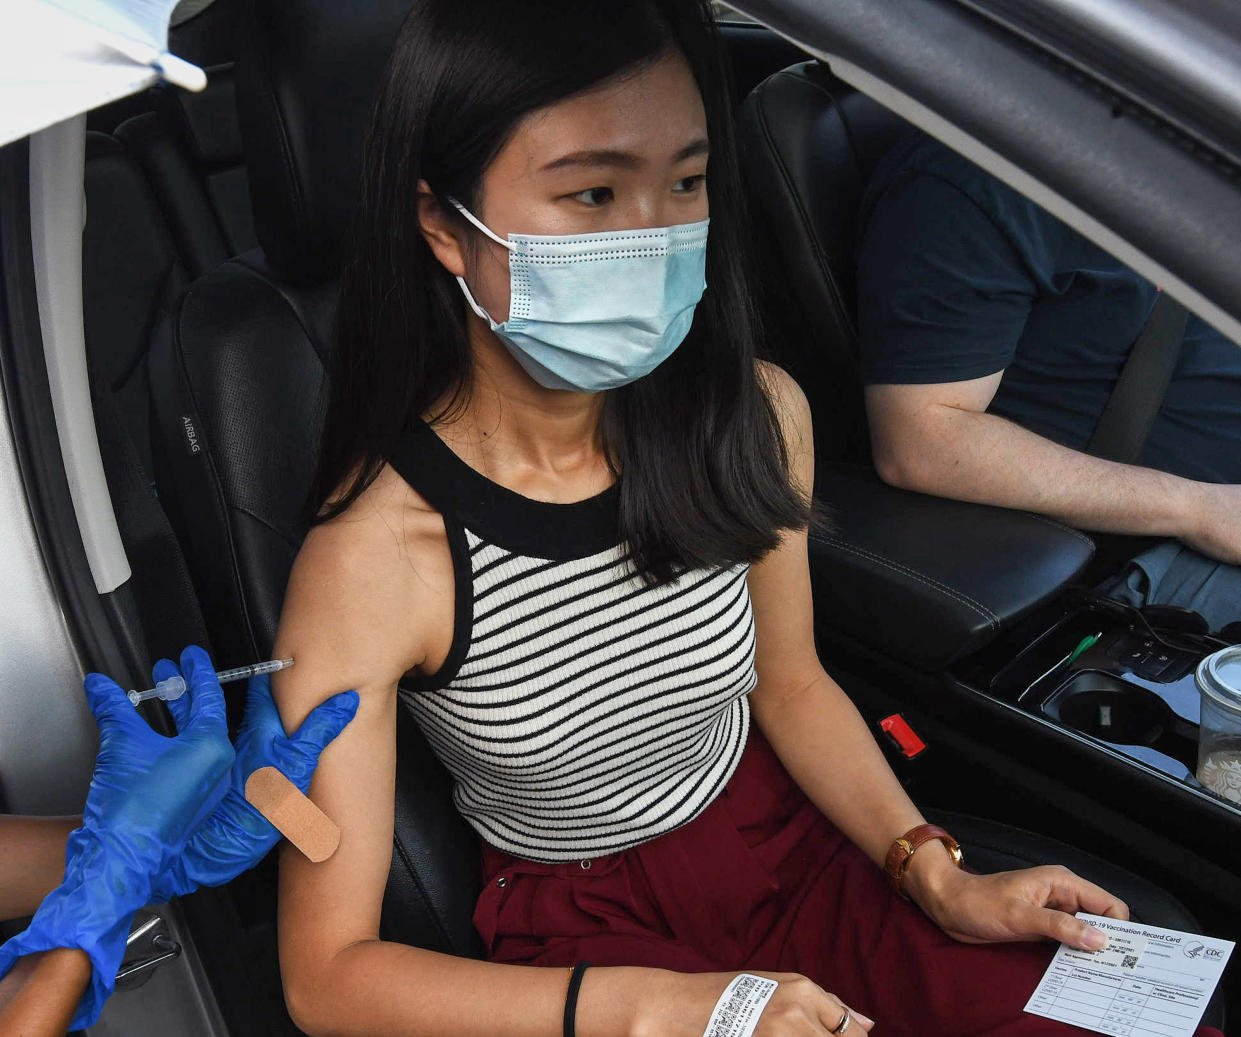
pixel 563 520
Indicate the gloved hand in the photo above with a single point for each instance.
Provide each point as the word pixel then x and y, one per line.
pixel 147 795
pixel 236 836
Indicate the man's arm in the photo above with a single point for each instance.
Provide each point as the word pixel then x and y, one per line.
pixel 32 860
pixel 938 439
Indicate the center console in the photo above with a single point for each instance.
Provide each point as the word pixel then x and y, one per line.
pixel 1122 679
pixel 983 609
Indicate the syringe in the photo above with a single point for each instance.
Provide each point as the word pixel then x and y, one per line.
pixel 174 687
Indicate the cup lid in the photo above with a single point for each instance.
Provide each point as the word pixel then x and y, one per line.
pixel 1219 675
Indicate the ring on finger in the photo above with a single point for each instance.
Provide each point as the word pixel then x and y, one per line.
pixel 845 1020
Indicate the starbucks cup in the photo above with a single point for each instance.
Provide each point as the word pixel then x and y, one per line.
pixel 1219 733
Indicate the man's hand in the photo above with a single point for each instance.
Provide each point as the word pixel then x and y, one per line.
pixel 1215 522
pixel 236 836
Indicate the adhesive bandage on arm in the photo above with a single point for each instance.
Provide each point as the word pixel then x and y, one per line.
pixel 292 814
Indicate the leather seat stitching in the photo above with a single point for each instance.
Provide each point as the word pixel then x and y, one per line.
pixel 1056 524
pixel 930 581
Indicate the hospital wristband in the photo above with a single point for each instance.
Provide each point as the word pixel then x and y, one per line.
pixel 737 1011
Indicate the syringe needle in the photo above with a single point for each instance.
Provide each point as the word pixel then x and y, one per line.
pixel 174 687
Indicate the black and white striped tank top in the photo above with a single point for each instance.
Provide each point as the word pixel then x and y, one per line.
pixel 580 711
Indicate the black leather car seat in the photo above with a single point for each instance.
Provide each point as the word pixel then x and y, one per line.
pixel 809 143
pixel 190 149
pixel 237 376
pixel 166 200
pixel 237 373
pixel 124 289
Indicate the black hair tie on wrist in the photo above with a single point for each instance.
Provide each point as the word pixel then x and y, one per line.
pixel 570 999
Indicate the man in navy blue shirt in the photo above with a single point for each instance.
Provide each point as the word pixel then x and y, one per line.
pixel 991 335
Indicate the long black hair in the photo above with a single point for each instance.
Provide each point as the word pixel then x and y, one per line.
pixel 704 473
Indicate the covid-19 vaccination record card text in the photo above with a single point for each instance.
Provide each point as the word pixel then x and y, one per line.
pixel 1147 981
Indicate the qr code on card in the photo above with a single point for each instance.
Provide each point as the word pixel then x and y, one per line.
pixel 1129 961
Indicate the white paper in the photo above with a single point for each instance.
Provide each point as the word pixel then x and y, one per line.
pixel 1147 981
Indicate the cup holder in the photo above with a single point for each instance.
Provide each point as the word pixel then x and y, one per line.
pixel 1116 711
pixel 1132 716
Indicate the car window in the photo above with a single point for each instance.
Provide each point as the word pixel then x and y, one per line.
pixel 960 277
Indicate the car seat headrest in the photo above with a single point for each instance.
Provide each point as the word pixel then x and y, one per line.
pixel 307 75
pixel 207 121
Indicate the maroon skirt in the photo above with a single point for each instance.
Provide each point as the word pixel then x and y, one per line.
pixel 762 880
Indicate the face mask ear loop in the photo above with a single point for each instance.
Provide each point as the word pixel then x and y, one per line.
pixel 480 225
pixel 465 289
pixel 469 298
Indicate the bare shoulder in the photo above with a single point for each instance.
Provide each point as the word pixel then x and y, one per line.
pixel 791 407
pixel 351 614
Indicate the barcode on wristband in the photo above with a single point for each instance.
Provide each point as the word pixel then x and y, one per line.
pixel 736 1012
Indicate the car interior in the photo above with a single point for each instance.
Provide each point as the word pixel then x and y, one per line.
pixel 213 234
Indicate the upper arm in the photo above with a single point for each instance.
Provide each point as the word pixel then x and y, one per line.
pixel 780 582
pixel 902 417
pixel 900 412
pixel 944 288
pixel 349 623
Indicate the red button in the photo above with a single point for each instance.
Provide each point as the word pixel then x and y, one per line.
pixel 903 737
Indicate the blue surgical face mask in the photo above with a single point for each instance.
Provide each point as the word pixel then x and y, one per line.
pixel 590 312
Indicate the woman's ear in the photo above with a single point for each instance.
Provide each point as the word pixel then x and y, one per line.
pixel 440 231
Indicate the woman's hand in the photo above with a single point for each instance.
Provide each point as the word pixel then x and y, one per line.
pixel 682 1005
pixel 1029 904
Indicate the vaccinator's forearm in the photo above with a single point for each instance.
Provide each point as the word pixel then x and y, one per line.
pixel 41 992
pixel 32 861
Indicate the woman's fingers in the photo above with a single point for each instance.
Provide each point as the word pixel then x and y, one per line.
pixel 799 1007
pixel 1071 892
pixel 828 1008
pixel 835 1015
pixel 1030 920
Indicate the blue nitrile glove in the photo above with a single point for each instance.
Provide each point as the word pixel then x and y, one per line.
pixel 236 836
pixel 147 795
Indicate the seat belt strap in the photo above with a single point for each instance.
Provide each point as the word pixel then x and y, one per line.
pixel 1131 409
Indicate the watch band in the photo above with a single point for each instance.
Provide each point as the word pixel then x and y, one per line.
pixel 902 850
